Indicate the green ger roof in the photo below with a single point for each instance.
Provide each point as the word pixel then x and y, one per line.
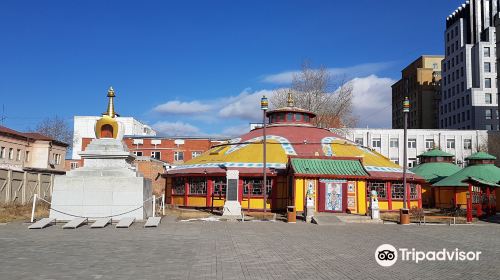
pixel 339 167
pixel 436 153
pixel 485 172
pixel 434 172
pixel 481 156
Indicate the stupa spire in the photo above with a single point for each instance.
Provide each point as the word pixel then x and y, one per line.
pixel 111 105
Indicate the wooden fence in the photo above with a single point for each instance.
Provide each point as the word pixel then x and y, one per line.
pixel 18 187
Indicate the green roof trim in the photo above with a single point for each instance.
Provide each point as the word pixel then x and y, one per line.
pixel 482 182
pixel 480 156
pixel 486 172
pixel 339 167
pixel 436 153
pixel 434 172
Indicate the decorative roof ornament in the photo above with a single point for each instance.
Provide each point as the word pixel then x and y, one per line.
pixel 111 105
pixel 290 100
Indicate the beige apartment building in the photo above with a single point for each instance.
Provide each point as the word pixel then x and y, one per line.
pixel 421 83
pixel 30 152
pixel 28 164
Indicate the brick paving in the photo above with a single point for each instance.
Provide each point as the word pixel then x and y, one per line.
pixel 235 250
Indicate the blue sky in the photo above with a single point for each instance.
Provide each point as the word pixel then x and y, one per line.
pixel 200 67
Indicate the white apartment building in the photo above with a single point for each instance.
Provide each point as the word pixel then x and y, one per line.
pixel 83 127
pixel 389 142
pixel 469 93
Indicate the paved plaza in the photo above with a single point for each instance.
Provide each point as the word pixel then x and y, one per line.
pixel 235 250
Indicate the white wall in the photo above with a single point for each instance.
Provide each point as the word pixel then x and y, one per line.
pixel 83 127
pixel 478 138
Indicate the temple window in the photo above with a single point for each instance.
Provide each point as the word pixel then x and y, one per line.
pixel 254 186
pixel 379 187
pixel 197 186
pixel 306 118
pixel 289 117
pixel 220 186
pixel 397 191
pixel 298 117
pixel 413 191
pixel 178 186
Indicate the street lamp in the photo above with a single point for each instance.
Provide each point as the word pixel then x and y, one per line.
pixel 264 105
pixel 406 110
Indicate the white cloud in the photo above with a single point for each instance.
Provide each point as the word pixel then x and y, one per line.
pixel 359 70
pixel 237 130
pixel 245 106
pixel 372 101
pixel 178 107
pixel 176 128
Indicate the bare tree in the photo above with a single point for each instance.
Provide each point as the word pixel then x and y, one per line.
pixel 56 128
pixel 317 91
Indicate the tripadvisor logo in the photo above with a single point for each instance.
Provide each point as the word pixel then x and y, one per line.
pixel 387 255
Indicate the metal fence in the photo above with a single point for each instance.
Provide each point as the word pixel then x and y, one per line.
pixel 18 187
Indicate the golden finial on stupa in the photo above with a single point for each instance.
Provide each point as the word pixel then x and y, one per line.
pixel 290 99
pixel 111 105
pixel 107 125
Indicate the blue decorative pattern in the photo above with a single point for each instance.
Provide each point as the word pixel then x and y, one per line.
pixel 326 145
pixel 232 164
pixel 385 169
pixel 285 144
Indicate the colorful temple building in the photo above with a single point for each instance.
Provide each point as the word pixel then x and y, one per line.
pixel 474 188
pixel 434 166
pixel 301 160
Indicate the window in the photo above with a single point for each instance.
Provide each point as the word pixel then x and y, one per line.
pixel 2 152
pixel 178 156
pixel 26 156
pixel 359 141
pixel 412 143
pixel 289 117
pixel 467 144
pixel 394 143
pixel 487 98
pixel 197 186
pixel 74 165
pixel 397 191
pixel 195 154
pixel 178 186
pixel 11 153
pixel 486 52
pixel 220 186
pixel 306 118
pixel 376 143
pixel 487 67
pixel 254 187
pixel 138 153
pixel 450 143
pixel 488 127
pixel 156 155
pixel 487 114
pixel 379 187
pixel 18 155
pixel 434 66
pixel 413 191
pixel 412 162
pixel 298 117
pixel 487 83
pixel 429 144
pixel 395 160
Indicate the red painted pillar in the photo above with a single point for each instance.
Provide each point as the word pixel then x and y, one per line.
pixel 469 205
pixel 210 187
pixel 408 196
pixel 480 204
pixel 455 195
pixel 186 190
pixel 240 190
pixel 488 208
pixel 389 195
pixel 419 195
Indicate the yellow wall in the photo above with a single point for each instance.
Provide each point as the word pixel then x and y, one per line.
pixel 218 202
pixel 255 203
pixel 197 201
pixel 361 200
pixel 398 204
pixel 299 195
pixel 178 200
